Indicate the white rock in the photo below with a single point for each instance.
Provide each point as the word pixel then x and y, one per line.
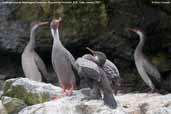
pixel 76 104
pixel 29 91
pixel 144 103
pixel 2 109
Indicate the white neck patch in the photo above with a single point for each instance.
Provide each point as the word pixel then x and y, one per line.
pixel 97 59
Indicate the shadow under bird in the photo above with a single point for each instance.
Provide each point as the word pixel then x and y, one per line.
pixel 148 71
pixel 62 61
pixel 92 69
pixel 33 66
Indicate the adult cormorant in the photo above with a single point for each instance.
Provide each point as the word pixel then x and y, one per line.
pixel 33 66
pixel 148 72
pixel 88 68
pixel 62 61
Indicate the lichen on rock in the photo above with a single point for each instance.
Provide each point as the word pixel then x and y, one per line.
pixel 12 105
pixel 29 91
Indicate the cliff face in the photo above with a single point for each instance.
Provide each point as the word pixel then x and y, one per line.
pixel 100 26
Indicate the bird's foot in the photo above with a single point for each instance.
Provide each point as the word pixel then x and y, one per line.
pixel 70 91
pixel 62 95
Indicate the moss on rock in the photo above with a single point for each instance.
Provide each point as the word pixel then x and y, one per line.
pixel 30 94
pixel 13 105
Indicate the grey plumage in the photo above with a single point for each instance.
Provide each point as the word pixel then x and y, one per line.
pixel 148 72
pixel 112 74
pixel 98 78
pixel 33 66
pixel 62 60
pixel 110 68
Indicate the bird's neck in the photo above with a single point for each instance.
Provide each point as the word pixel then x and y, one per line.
pixel 98 61
pixel 140 45
pixel 56 40
pixel 31 45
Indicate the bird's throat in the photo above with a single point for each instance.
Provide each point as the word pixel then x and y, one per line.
pixel 139 48
pixel 56 39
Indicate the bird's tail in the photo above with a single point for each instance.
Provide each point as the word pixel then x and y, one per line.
pixel 110 100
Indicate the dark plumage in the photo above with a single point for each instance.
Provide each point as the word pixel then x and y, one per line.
pixel 33 66
pixel 148 72
pixel 110 68
pixel 92 69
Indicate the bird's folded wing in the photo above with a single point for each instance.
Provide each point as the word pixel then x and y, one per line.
pixel 111 68
pixel 41 65
pixel 88 69
pixel 151 70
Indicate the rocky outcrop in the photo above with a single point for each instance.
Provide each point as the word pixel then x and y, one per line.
pixel 144 103
pixel 130 103
pixel 29 91
pixel 76 104
pixel 39 98
pixel 12 105
pixel 2 108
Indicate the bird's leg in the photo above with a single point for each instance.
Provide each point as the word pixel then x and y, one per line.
pixel 69 92
pixel 64 89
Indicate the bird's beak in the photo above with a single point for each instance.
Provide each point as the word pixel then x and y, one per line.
pixel 42 23
pixel 92 51
pixel 58 20
pixel 131 29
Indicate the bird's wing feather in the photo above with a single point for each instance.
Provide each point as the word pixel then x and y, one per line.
pixel 113 74
pixel 72 60
pixel 110 68
pixel 151 70
pixel 70 57
pixel 41 65
pixel 88 69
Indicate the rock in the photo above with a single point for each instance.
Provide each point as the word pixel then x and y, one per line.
pixel 1 87
pixel 76 104
pixel 40 95
pixel 143 103
pixel 163 111
pixel 12 105
pixel 140 103
pixel 31 92
pixel 2 108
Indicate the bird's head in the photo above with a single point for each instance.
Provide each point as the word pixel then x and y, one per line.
pixel 138 31
pixel 100 57
pixel 55 23
pixel 36 25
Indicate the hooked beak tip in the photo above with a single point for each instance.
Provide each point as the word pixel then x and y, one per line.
pixel 131 29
